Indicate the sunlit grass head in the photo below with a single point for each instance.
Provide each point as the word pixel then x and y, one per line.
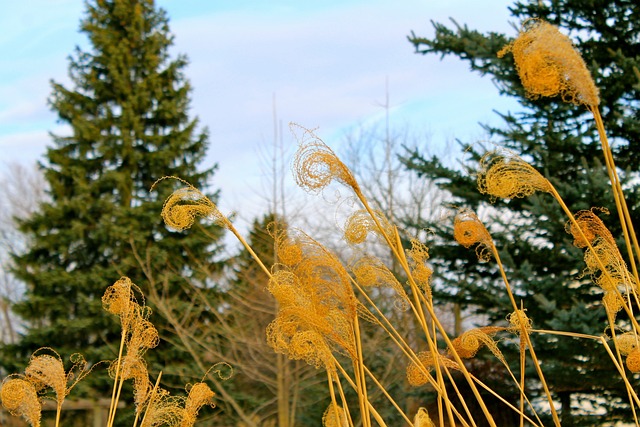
pixel 418 373
pixel 360 224
pixel 468 231
pixel 315 165
pixel 549 65
pixel 200 394
pixel 504 175
pixel 184 205
pixel 20 398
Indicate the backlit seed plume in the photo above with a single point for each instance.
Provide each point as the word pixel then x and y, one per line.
pixel 184 205
pixel 316 306
pixel 304 327
pixel 591 226
pixel 142 337
pixel 360 224
pixel 163 409
pixel 288 251
pixel 47 370
pixel 468 230
pixel 417 374
pixel 119 299
pixel 200 394
pixel 615 280
pixel 288 338
pixel 549 65
pixel 334 416
pixel 20 398
pixel 633 361
pixel 504 175
pixel 422 419
pixel 315 165
pixel 141 388
pixel 371 272
pixel 627 342
pixel 468 344
pixel 420 271
pixel 519 321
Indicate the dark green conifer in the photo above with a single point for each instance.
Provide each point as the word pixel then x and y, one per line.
pixel 128 124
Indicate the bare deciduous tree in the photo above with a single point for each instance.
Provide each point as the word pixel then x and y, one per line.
pixel 22 188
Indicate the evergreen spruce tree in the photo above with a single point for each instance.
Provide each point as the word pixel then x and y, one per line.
pixel 560 140
pixel 127 110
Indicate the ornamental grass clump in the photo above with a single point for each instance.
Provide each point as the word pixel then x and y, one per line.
pixel 22 394
pixel 45 376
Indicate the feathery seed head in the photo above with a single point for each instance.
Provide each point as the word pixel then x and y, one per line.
pixel 613 302
pixel 20 398
pixel 288 251
pixel 315 165
pixel 417 374
pixel 199 395
pixel 422 419
pixel 549 65
pixel 308 345
pixel 182 207
pixel 504 175
pixel 360 224
pixel 468 230
pixel 591 226
pixel 370 272
pixel 45 370
pixel 185 204
pixel 120 300
pixel 519 321
pixel 163 409
pixel 633 360
pixel 627 342
pixel 468 344
pixel 604 253
pixel 335 416
pixel 420 271
pixel 316 306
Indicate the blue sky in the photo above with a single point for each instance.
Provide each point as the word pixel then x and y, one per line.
pixel 326 63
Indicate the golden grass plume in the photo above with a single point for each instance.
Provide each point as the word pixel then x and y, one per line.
pixel 334 416
pixel 468 230
pixel 315 165
pixel 504 175
pixel 549 65
pixel 468 344
pixel 200 394
pixel 360 224
pixel 417 373
pixel 184 205
pixel 20 398
pixel 422 419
